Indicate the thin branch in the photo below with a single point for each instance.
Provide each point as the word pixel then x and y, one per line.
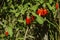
pixel 52 24
pixel 26 33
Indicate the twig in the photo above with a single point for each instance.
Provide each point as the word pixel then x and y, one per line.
pixel 26 33
pixel 52 24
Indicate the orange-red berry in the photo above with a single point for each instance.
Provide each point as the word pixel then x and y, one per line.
pixel 6 33
pixel 45 11
pixel 57 5
pixel 42 12
pixel 28 20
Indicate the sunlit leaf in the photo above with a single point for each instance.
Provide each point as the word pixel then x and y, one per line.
pixel 9 29
pixel 20 20
pixel 44 5
pixel 40 20
pixel 49 6
pixel 13 11
pixel 12 6
pixel 50 1
pixel 34 8
pixel 17 14
pixel 41 1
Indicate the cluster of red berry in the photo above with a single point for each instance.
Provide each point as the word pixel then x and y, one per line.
pixel 29 19
pixel 42 12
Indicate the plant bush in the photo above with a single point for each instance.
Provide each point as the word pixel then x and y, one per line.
pixel 29 19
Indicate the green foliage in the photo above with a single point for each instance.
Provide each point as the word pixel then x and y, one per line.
pixel 13 16
pixel 50 1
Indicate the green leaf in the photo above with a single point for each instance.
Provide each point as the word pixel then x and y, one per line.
pixel 12 6
pixel 44 5
pixel 22 1
pixel 9 29
pixel 39 19
pixel 7 0
pixel 26 5
pixel 24 22
pixel 20 8
pixel 41 1
pixel 13 11
pixel 49 6
pixel 53 8
pixel 22 11
pixel 34 8
pixel 20 20
pixel 17 14
pixel 33 13
pixel 24 8
pixel 50 1
pixel 4 7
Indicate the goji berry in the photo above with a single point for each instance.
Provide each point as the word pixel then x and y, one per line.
pixel 28 20
pixel 6 33
pixel 57 5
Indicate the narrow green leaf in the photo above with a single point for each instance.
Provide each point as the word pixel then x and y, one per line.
pixel 7 0
pixel 34 8
pixel 50 1
pixel 53 8
pixel 9 29
pixel 44 5
pixel 13 11
pixel 39 19
pixel 22 11
pixel 20 20
pixel 22 1
pixel 24 22
pixel 49 6
pixel 41 1
pixel 17 14
pixel 5 8
pixel 12 6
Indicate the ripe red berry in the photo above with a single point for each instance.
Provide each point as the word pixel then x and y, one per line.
pixel 28 20
pixel 40 12
pixel 45 12
pixel 6 33
pixel 57 5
